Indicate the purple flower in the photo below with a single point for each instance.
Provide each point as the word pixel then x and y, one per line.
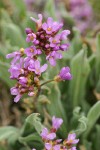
pixel 17 98
pixel 25 66
pixel 38 69
pixel 30 51
pixel 54 41
pixel 49 146
pixel 29 63
pixel 38 51
pixel 15 55
pixel 26 62
pixel 56 122
pixel 72 139
pixel 46 135
pixel 31 93
pixel 31 37
pixel 16 70
pixel 38 21
pixel 36 42
pixel 64 34
pixel 64 47
pixel 65 74
pixel 23 80
pixel 73 148
pixel 53 56
pixel 28 30
pixel 15 91
pixel 51 26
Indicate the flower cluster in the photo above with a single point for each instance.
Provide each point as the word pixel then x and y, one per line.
pixel 47 40
pixel 26 70
pixel 25 65
pixel 81 12
pixel 50 141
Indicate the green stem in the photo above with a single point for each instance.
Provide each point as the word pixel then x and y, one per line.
pixel 47 82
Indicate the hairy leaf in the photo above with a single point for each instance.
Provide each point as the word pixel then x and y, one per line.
pixel 92 117
pixel 6 132
pixel 80 70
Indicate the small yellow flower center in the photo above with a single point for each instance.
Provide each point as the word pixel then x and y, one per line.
pixel 31 50
pixel 70 141
pixel 54 41
pixel 49 29
pixel 31 38
pixel 38 70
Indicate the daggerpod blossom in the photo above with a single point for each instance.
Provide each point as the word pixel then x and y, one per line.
pixel 48 39
pixel 25 66
pixel 50 141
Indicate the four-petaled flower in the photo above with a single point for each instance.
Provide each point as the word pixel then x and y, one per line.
pixel 51 26
pixel 71 140
pixel 53 56
pixel 38 69
pixel 56 123
pixel 31 51
pixel 31 37
pixel 15 91
pixel 49 146
pixel 46 135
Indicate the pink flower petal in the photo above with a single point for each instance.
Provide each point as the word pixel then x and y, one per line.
pixel 44 67
pixel 17 98
pixel 52 61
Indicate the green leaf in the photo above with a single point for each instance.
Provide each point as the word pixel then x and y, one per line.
pixel 20 8
pixel 4 75
pixel 87 145
pixel 55 107
pixel 95 138
pixel 32 137
pixel 50 9
pixel 96 9
pixel 92 117
pixel 34 121
pixel 78 121
pixel 80 70
pixel 76 43
pixel 5 16
pixel 97 65
pixel 13 33
pixel 6 132
pixel 82 126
